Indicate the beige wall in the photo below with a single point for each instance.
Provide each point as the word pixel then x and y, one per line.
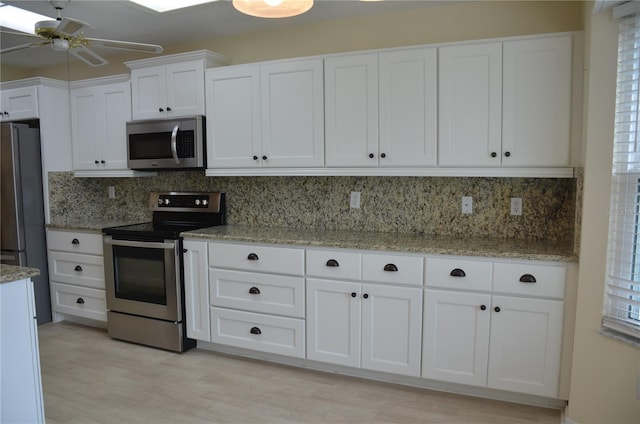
pixel 448 22
pixel 605 372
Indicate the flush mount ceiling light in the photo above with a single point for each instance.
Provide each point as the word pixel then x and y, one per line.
pixel 273 8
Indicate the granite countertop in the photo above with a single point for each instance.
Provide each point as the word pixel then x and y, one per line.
pixel 543 250
pixel 94 225
pixel 10 273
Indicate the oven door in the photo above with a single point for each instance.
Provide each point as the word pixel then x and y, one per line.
pixel 143 277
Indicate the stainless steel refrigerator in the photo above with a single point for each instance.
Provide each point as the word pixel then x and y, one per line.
pixel 22 228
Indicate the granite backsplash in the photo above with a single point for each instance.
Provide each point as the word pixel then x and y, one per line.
pixel 423 205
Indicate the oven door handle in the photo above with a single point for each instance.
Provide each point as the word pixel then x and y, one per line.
pixel 145 244
pixel 174 144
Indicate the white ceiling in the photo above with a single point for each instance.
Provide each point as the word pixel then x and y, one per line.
pixel 126 21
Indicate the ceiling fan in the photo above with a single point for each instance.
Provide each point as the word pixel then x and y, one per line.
pixel 65 34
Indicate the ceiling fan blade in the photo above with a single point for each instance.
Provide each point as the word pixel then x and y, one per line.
pixel 87 56
pixel 71 27
pixel 23 47
pixel 125 45
pixel 21 34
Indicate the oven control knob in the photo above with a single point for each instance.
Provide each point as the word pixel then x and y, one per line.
pixel 166 201
pixel 159 201
pixel 205 202
pixel 197 202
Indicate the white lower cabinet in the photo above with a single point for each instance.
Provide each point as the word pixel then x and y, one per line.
pixel 508 337
pixel 486 323
pixel 76 274
pixel 364 325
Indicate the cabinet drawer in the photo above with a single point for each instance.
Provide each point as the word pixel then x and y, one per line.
pixel 392 269
pixel 79 242
pixel 279 260
pixel 73 268
pixel 334 264
pixel 458 274
pixel 266 293
pixel 266 333
pixel 529 279
pixel 78 301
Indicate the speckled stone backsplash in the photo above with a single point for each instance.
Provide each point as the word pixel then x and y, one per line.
pixel 424 205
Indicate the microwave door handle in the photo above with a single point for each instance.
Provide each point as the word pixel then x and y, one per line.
pixel 174 144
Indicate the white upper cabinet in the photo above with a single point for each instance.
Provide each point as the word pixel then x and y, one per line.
pixel 351 110
pixel 536 107
pixel 470 105
pixel 19 103
pixel 268 115
pixel 233 117
pixel 506 103
pixel 172 85
pixel 98 126
pixel 292 113
pixel 380 109
pixel 408 107
pixel 168 90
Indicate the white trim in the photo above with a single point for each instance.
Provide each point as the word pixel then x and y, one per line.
pixel 625 9
pixel 211 59
pixel 406 172
pixel 92 82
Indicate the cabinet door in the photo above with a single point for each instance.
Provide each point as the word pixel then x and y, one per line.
pixel 149 92
pixel 470 105
pixel 391 329
pixel 21 384
pixel 456 337
pixel 185 88
pixel 116 110
pixel 408 108
pixel 537 102
pixel 525 344
pixel 233 117
pixel 86 128
pixel 333 322
pixel 196 290
pixel 351 110
pixel 293 113
pixel 19 103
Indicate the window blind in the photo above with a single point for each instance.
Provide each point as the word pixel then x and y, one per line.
pixel 622 297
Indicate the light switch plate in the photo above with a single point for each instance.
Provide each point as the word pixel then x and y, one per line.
pixel 467 204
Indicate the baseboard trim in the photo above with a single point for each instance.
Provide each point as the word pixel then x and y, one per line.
pixel 417 382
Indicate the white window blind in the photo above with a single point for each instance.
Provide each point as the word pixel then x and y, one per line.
pixel 622 296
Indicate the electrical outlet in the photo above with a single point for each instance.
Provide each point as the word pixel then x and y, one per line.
pixel 467 204
pixel 516 206
pixel 111 190
pixel 355 200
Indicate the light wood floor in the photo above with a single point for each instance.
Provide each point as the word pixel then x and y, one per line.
pixel 89 378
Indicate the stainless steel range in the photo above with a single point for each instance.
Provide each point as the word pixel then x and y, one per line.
pixel 144 269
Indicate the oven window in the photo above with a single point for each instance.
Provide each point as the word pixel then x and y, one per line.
pixel 158 145
pixel 139 274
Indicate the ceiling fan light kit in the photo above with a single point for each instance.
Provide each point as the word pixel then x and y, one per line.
pixel 273 8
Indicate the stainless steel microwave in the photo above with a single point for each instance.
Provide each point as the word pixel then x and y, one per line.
pixel 175 143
